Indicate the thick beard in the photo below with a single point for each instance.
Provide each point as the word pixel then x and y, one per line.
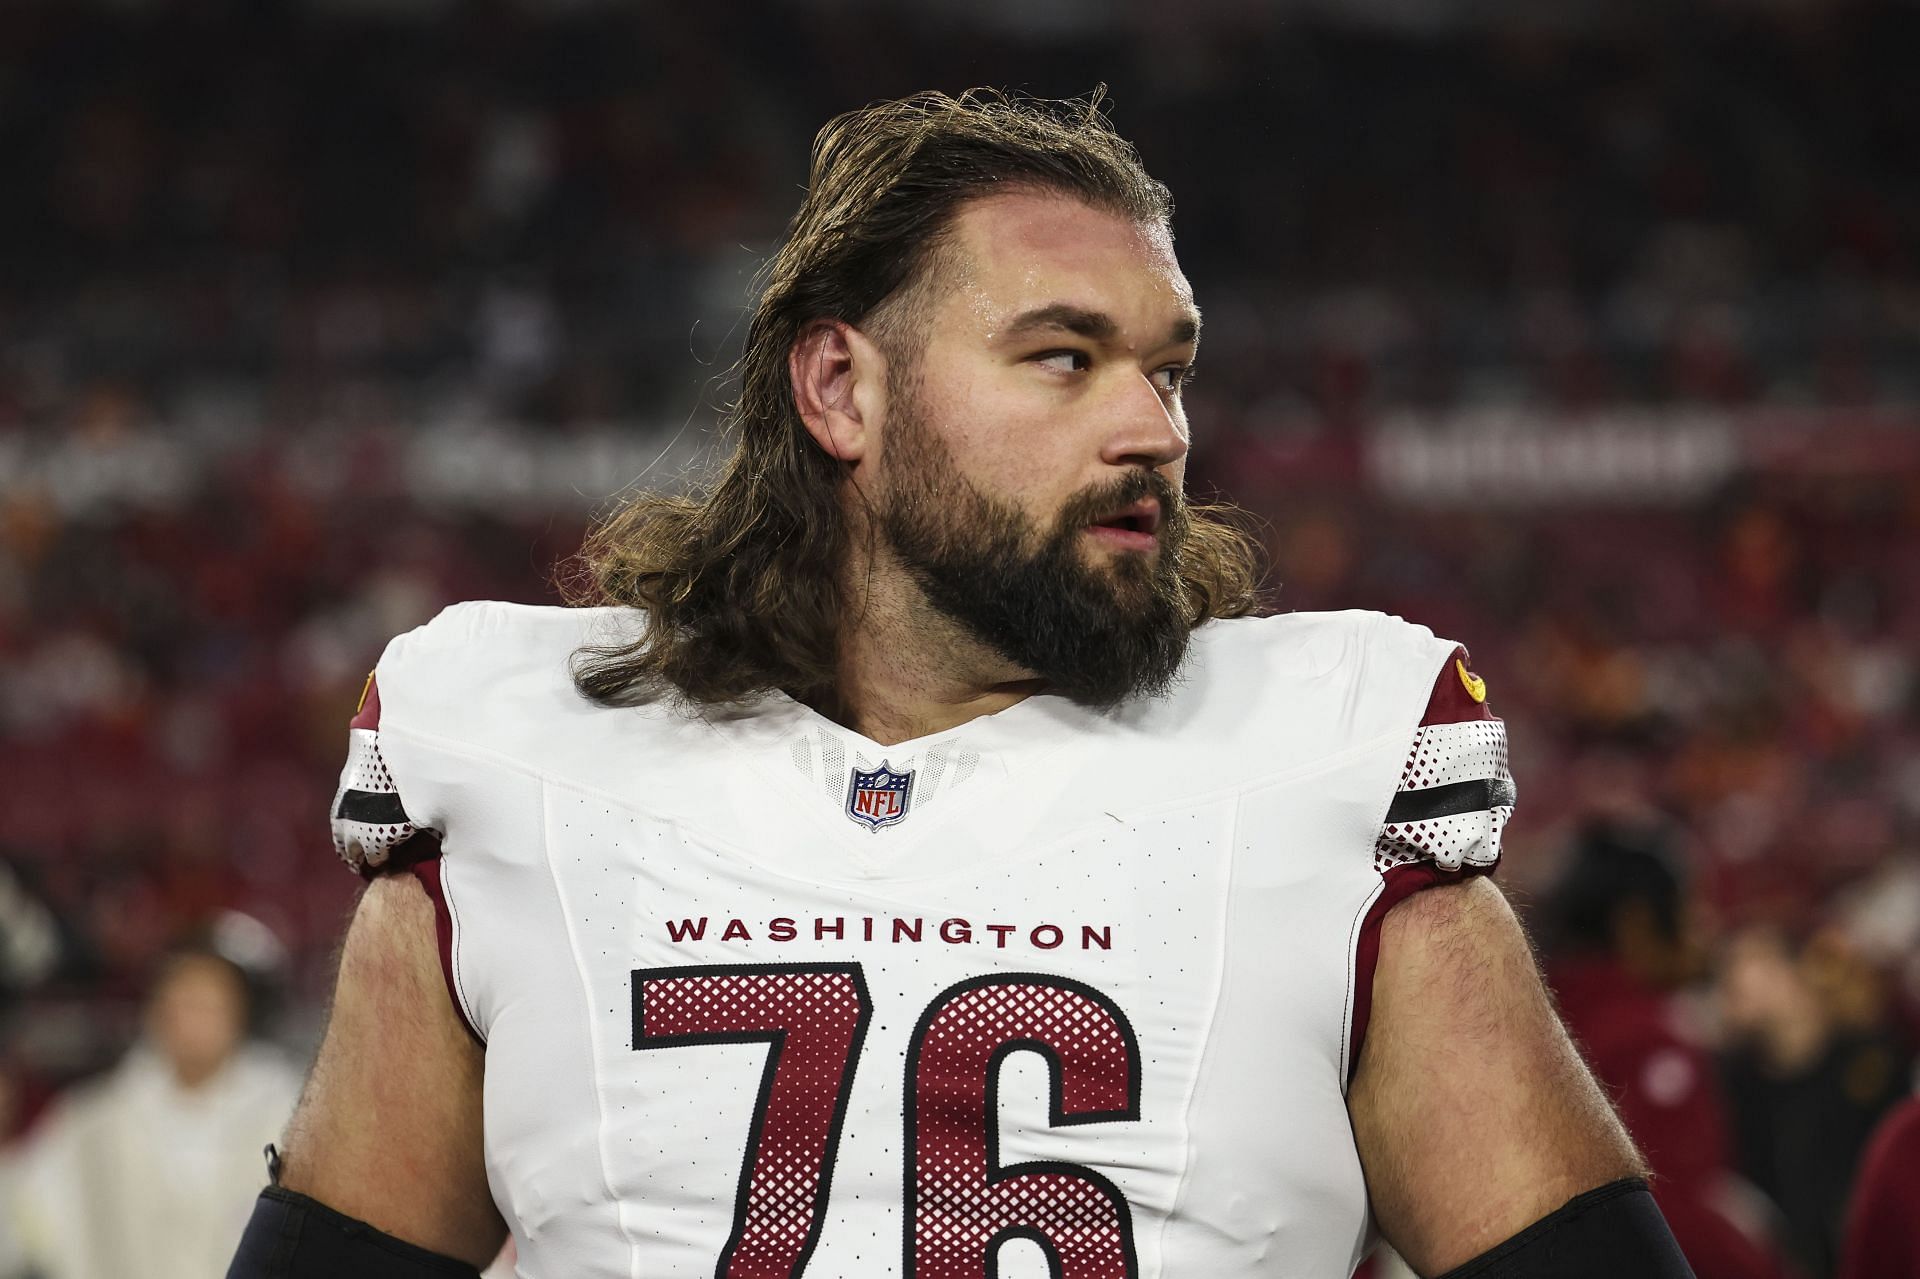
pixel 1097 633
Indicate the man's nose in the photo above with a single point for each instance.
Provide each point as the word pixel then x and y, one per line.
pixel 1145 429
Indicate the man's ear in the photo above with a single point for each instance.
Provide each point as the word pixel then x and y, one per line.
pixel 839 386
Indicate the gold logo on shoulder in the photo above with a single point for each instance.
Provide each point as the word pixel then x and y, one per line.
pixel 364 690
pixel 1475 686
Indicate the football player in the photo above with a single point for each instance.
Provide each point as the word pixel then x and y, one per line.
pixel 918 860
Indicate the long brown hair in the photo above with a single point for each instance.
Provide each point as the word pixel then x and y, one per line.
pixel 740 582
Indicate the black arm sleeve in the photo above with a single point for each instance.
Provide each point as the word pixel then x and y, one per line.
pixel 1604 1234
pixel 293 1237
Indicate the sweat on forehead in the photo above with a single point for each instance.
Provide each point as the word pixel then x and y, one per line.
pixel 1016 260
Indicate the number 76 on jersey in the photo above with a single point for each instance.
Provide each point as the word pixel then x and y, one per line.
pixel 962 1203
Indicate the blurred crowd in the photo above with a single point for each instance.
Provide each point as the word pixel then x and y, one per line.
pixel 1701 201
pixel 298 309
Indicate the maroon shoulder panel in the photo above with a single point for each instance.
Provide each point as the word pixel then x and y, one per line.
pixel 1458 694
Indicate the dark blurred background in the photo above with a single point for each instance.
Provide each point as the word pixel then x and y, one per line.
pixel 1585 333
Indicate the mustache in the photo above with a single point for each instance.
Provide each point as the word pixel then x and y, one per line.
pixel 1095 503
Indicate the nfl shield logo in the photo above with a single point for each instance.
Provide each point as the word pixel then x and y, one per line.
pixel 879 798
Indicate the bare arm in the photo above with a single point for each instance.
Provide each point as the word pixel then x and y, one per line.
pixel 1473 1114
pixel 388 1127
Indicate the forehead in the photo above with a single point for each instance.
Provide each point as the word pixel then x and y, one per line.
pixel 1021 250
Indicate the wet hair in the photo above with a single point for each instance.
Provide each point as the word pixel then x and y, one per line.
pixel 739 583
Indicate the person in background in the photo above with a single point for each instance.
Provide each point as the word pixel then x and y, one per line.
pixel 1809 1070
pixel 152 1169
pixel 1883 1224
pixel 1621 944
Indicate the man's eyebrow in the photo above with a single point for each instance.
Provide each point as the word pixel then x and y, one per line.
pixel 1095 326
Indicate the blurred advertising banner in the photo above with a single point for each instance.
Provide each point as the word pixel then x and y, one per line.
pixel 502 467
pixel 1656 456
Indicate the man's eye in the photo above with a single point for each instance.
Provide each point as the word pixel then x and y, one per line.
pixel 1064 361
pixel 1174 377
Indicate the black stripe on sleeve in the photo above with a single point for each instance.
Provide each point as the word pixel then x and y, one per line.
pixel 1445 801
pixel 375 808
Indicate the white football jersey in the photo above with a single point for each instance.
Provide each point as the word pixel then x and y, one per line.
pixel 1057 992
